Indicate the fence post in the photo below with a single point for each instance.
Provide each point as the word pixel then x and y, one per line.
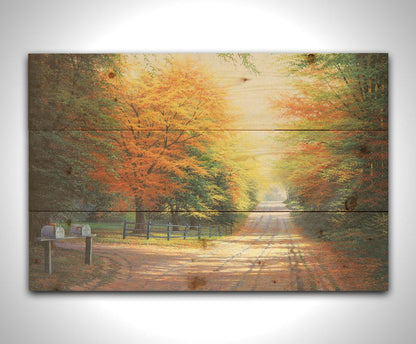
pixel 231 229
pixel 148 229
pixel 210 231
pixel 186 232
pixel 125 229
pixel 199 231
pixel 219 231
pixel 169 229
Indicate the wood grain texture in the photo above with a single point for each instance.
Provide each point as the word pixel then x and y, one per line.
pixel 354 163
pixel 270 250
pixel 283 157
pixel 324 224
pixel 256 100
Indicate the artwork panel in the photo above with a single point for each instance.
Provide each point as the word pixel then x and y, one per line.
pixel 208 172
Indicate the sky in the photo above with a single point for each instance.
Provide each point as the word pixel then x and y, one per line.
pixel 249 93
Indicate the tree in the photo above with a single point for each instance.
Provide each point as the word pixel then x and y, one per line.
pixel 116 131
pixel 209 196
pixel 339 92
pixel 66 92
pixel 164 113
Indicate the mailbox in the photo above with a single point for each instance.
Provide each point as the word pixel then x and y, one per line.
pixel 80 230
pixel 53 232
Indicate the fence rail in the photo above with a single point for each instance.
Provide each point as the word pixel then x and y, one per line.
pixel 168 230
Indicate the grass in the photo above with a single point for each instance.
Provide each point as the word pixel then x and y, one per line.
pixel 357 235
pixel 110 233
pixel 360 234
pixel 69 270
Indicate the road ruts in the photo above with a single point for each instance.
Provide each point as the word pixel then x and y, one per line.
pixel 256 264
pixel 268 254
pixel 221 245
pixel 274 256
pixel 317 274
pixel 224 245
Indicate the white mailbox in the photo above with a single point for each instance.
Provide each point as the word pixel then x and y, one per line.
pixel 80 230
pixel 53 232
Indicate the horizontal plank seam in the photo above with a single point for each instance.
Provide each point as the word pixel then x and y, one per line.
pixel 210 130
pixel 209 211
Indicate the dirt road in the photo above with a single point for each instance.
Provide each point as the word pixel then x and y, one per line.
pixel 268 254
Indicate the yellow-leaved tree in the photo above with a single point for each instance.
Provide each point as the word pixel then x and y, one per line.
pixel 166 115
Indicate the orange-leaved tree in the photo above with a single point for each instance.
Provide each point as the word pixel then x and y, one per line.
pixel 163 112
pixel 338 92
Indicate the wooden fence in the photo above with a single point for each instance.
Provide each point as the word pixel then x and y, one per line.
pixel 168 231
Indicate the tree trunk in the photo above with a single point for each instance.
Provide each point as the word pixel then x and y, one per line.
pixel 174 214
pixel 194 221
pixel 174 218
pixel 140 215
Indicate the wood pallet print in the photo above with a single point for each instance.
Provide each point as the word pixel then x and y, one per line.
pixel 208 172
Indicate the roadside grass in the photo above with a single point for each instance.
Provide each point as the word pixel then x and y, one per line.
pixel 356 235
pixel 361 235
pixel 68 270
pixel 110 233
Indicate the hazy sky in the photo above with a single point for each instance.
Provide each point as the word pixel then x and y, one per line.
pixel 250 93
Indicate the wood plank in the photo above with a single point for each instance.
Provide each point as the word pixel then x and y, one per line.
pixel 306 251
pixel 329 168
pixel 61 91
pixel 45 239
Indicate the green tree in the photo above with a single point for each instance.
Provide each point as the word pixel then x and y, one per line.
pixel 339 92
pixel 343 167
pixel 203 196
pixel 67 92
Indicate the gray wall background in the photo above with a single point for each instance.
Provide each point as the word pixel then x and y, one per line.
pixel 211 26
